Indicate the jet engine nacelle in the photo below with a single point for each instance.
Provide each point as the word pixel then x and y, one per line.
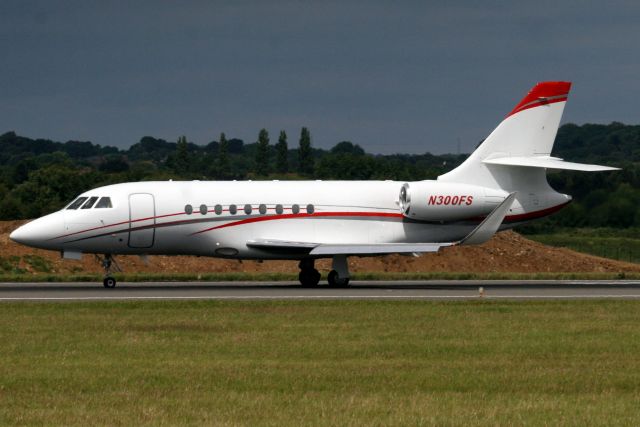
pixel 443 201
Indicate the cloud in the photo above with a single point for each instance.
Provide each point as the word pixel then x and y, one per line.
pixel 409 77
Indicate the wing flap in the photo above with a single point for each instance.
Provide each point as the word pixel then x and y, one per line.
pixel 280 244
pixel 547 162
pixel 377 248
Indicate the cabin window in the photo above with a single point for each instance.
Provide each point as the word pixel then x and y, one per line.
pixel 188 209
pixel 295 209
pixel 89 203
pixel 262 209
pixel 279 209
pixel 310 209
pixel 233 209
pixel 203 209
pixel 77 203
pixel 247 209
pixel 218 209
pixel 104 202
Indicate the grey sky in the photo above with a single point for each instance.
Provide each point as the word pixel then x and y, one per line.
pixel 390 76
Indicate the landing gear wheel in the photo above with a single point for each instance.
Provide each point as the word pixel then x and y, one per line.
pixel 334 279
pixel 108 263
pixel 309 278
pixel 109 282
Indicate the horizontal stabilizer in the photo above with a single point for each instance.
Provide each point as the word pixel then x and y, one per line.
pixel 548 163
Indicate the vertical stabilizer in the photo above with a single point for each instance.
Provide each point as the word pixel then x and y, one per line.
pixel 528 130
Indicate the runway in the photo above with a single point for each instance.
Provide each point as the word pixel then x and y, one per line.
pixel 373 290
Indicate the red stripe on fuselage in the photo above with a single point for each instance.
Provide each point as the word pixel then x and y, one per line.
pixel 535 214
pixel 117 223
pixel 244 221
pixel 529 215
pixel 508 218
pixel 302 215
pixel 138 220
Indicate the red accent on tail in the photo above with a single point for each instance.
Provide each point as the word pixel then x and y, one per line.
pixel 542 94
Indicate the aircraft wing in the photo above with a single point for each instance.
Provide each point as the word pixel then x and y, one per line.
pixel 345 248
pixel 480 234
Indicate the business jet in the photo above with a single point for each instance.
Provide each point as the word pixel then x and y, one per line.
pixel 500 185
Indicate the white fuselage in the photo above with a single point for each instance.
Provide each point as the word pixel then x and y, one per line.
pixel 197 217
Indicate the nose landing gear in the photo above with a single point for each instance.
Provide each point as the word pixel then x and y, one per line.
pixel 108 263
pixel 109 282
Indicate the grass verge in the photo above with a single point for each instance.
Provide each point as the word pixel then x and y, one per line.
pixel 320 363
pixel 614 244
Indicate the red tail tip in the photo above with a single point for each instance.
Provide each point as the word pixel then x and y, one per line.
pixel 543 93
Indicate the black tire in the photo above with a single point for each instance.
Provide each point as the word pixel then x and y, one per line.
pixel 309 278
pixel 335 280
pixel 109 282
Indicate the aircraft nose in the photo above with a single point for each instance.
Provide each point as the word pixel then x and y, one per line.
pixel 18 235
pixel 38 233
pixel 28 234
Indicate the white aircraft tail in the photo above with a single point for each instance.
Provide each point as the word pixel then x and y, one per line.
pixel 515 156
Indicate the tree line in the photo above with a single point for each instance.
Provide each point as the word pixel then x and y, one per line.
pixel 218 163
pixel 38 176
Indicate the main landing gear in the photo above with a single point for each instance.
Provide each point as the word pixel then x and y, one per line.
pixel 109 263
pixel 308 276
pixel 338 276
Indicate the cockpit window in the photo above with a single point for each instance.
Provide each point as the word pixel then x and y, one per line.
pixel 104 202
pixel 89 203
pixel 76 203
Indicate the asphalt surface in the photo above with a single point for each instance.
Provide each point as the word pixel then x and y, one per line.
pixel 386 290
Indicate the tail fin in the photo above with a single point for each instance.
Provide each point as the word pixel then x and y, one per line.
pixel 517 154
pixel 529 130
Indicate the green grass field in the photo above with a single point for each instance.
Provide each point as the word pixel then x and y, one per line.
pixel 623 245
pixel 320 363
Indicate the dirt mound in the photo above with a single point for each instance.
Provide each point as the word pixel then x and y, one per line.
pixel 506 252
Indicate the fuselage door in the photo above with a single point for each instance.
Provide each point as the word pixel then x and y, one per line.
pixel 142 217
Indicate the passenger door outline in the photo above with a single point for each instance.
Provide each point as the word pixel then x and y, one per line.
pixel 142 210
